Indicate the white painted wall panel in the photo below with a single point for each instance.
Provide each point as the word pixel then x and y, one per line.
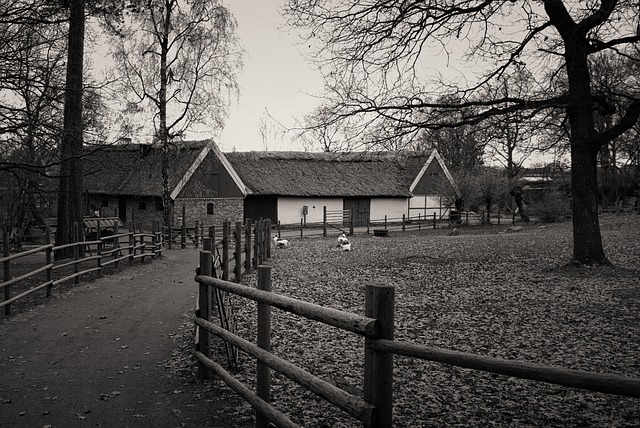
pixel 393 208
pixel 290 209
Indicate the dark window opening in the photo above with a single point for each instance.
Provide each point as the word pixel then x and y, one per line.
pixel 105 203
pixel 209 209
pixel 142 206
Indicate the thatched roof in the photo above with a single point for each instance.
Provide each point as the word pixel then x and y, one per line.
pixel 135 169
pixel 306 174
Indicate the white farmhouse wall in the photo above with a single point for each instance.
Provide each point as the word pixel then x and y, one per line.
pixel 290 209
pixel 393 208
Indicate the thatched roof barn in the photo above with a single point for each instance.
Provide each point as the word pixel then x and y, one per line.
pixel 286 186
pixel 318 174
pixel 135 169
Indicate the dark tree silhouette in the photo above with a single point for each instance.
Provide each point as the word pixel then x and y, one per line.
pixel 374 53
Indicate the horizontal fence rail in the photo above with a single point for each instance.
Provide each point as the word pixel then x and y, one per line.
pixel 107 251
pixel 599 382
pixel 377 326
pixel 373 411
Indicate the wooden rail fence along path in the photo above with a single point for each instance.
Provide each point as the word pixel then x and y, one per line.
pixel 377 326
pixel 111 249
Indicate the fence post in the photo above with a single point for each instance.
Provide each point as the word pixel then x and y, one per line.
pixel 159 238
pixel 378 366
pixel 154 241
pixel 197 233
pixel 204 312
pixel 116 243
pixel 247 246
pixel 267 245
pixel 419 221
pixel 142 246
pixel 225 250
pixel 301 228
pixel 434 220
pixel 403 228
pixel 7 273
pixel 132 242
pixel 385 222
pixel 76 251
pixel 207 245
pixel 255 244
pixel 99 259
pixel 183 230
pixel 49 257
pixel 263 373
pixel 279 229
pixel 324 221
pixel 238 253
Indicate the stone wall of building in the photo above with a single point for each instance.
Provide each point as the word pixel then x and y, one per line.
pixel 208 211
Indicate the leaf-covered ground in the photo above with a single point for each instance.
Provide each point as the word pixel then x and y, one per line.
pixel 506 295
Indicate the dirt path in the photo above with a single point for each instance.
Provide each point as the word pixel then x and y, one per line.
pixel 106 354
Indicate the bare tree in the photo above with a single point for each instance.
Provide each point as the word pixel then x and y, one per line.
pixel 180 59
pixel 510 137
pixel 372 54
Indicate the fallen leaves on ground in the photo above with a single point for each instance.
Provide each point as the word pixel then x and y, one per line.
pixel 503 295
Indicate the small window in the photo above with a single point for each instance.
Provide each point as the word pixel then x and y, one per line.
pixel 158 206
pixel 105 203
pixel 142 206
pixel 209 208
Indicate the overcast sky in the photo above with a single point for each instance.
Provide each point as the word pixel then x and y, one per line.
pixel 275 76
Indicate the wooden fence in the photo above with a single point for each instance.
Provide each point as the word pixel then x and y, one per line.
pixel 341 221
pixel 377 326
pixel 109 250
pixel 251 244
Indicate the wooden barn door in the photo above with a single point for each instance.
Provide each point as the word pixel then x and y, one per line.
pixel 361 207
pixel 256 207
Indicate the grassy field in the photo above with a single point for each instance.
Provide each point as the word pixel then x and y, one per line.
pixel 508 295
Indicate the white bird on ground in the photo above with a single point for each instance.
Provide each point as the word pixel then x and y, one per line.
pixel 342 239
pixel 280 243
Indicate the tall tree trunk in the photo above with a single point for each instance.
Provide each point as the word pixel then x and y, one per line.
pixel 587 239
pixel 163 134
pixel 70 184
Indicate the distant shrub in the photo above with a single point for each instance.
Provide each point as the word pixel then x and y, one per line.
pixel 551 208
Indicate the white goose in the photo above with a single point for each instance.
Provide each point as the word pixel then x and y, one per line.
pixel 343 242
pixel 280 243
pixel 342 239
